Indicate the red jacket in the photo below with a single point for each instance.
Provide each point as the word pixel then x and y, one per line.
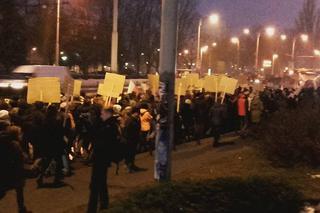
pixel 242 109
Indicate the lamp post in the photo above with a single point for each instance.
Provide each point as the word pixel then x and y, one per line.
pixel 203 50
pixel 214 19
pixel 236 41
pixel 57 52
pixel 114 45
pixel 274 58
pixel 304 38
pixel 270 31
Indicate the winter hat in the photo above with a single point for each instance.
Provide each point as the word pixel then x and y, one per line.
pixel 188 101
pixel 117 108
pixel 4 115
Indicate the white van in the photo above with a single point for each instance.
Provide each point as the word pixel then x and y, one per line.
pixel 33 71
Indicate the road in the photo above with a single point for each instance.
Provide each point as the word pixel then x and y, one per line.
pixel 73 198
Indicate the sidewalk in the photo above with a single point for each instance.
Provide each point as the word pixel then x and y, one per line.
pixel 73 198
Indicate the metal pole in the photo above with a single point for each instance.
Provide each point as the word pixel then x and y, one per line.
pixel 57 53
pixel 238 54
pixel 293 52
pixel 165 126
pixel 198 63
pixel 273 65
pixel 257 51
pixel 114 48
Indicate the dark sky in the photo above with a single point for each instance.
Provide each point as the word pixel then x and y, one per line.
pixel 245 13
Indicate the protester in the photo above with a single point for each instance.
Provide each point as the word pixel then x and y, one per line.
pixel 131 134
pixel 105 140
pixel 53 146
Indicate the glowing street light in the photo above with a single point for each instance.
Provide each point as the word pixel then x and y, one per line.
pixel 269 31
pixel 236 41
pixel 204 49
pixel 34 49
pixel 186 52
pixel 304 37
pixel 214 18
pixel 214 44
pixel 316 52
pixel 246 31
pixel 283 37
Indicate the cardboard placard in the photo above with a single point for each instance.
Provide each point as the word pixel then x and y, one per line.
pixel 192 79
pixel 131 87
pixel 77 87
pixel 211 83
pixel 228 85
pixel 154 82
pixel 44 89
pixel 181 86
pixel 112 86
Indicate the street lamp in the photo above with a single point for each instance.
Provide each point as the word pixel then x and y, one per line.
pixel 246 31
pixel 236 41
pixel 274 58
pixel 269 31
pixel 214 19
pixel 316 52
pixel 283 37
pixel 186 52
pixel 304 38
pixel 57 56
pixel 214 44
pixel 203 50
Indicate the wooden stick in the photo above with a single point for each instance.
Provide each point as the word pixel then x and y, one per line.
pixel 179 97
pixel 224 94
pixel 216 95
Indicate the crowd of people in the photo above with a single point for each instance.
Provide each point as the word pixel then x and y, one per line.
pixel 48 137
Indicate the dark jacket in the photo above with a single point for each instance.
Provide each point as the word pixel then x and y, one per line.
pixel 11 163
pixel 131 131
pixel 106 141
pixel 217 114
pixel 54 132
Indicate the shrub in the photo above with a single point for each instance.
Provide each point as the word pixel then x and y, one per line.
pixel 292 137
pixel 217 196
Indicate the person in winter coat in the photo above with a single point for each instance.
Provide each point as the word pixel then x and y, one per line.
pixel 52 147
pixel 105 142
pixel 145 119
pixel 242 111
pixel 256 109
pixel 217 116
pixel 187 118
pixel 12 165
pixel 131 133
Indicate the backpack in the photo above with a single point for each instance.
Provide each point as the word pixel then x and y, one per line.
pixel 85 122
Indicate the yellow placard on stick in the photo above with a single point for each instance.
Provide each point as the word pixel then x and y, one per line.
pixel 211 83
pixel 181 86
pixel 228 85
pixel 192 79
pixel 154 83
pixel 112 86
pixel 77 87
pixel 44 89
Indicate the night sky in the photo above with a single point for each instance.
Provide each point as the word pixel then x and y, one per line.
pixel 245 13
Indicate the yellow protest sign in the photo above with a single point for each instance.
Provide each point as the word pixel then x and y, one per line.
pixel 44 89
pixel 77 87
pixel 113 85
pixel 181 86
pixel 192 79
pixel 200 84
pixel 154 83
pixel 211 83
pixel 228 85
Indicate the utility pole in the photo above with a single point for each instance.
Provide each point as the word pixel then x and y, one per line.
pixel 165 126
pixel 57 54
pixel 114 45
